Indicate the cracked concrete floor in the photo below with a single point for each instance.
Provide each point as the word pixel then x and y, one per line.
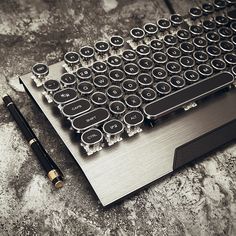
pixel 199 199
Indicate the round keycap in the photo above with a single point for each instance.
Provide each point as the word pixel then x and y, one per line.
pixel 231 15
pixel 65 96
pixel 233 39
pixel 218 64
pixel 208 8
pixel 99 67
pixel 131 69
pixel 176 19
pixel 143 50
pixel 156 45
pixel 51 85
pixel 209 25
pixel 205 70
pixel 225 32
pixel 163 88
pixel 116 41
pixel 133 118
pixel 213 51
pixel 144 80
pixel 186 48
pixel 173 53
pixel 101 47
pixel 170 40
pixel 85 88
pixel 116 75
pixel 113 127
pixel 159 73
pixel 177 82
pixel 234 70
pixel 159 58
pixel 84 73
pixel 133 101
pixel 219 4
pixel 40 70
pixel 233 26
pixel 99 98
pixel 183 35
pixel 114 61
pixel 71 58
pixel 86 52
pixel 195 12
pixel 226 46
pixel 92 137
pixel 117 107
pixel 186 62
pixel 68 79
pixel 114 92
pixel 137 33
pixel 191 76
pixel 196 30
pixel 173 67
pixel 221 20
pixel 150 29
pixel 199 42
pixel 145 63
pixel 163 24
pixel 101 81
pixel 129 55
pixel 148 94
pixel 230 58
pixel 200 56
pixel 129 86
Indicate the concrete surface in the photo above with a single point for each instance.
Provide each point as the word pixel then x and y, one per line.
pixel 199 199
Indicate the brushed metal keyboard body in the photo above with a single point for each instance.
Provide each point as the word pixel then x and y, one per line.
pixel 133 163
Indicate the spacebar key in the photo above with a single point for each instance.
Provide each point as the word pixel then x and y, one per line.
pixel 194 92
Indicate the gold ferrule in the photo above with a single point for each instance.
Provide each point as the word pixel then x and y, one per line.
pixel 52 174
pixel 33 140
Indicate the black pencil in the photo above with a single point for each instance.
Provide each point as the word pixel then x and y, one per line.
pixel 52 171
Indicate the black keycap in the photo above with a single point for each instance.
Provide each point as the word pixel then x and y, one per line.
pixel 133 101
pixel 177 82
pixel 99 67
pixel 114 92
pixel 89 119
pixel 145 63
pixel 226 46
pixel 85 88
pixel 117 107
pixel 213 51
pixel 116 42
pixel 186 62
pixel 234 70
pixel 143 50
pixel 150 29
pixel 137 34
pixel 208 8
pixel 219 4
pixel 196 30
pixel 86 53
pixel 209 25
pixel 92 137
pixel 163 88
pixel 101 47
pixel 173 67
pixel 176 19
pixel 76 108
pixel 233 26
pixel 200 43
pixel 200 57
pixel 230 58
pixel 225 32
pixel 101 81
pixel 159 73
pixel 218 64
pixel 51 85
pixel 230 3
pixel 159 58
pixel 232 14
pixel 129 56
pixel 84 73
pixel 170 40
pixel 191 76
pixel 116 75
pixel 156 45
pixel 129 86
pixel 148 94
pixel 205 70
pixel 195 12
pixel 212 37
pixel 188 94
pixel 173 53
pixel 186 48
pixel 71 58
pixel 183 35
pixel 114 61
pixel 64 96
pixel 133 118
pixel 113 127
pixel 233 39
pixel 68 80
pixel 163 24
pixel 131 69
pixel 144 80
pixel 99 98
pixel 221 20
pixel 40 70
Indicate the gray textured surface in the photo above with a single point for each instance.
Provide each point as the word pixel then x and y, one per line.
pixel 197 200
